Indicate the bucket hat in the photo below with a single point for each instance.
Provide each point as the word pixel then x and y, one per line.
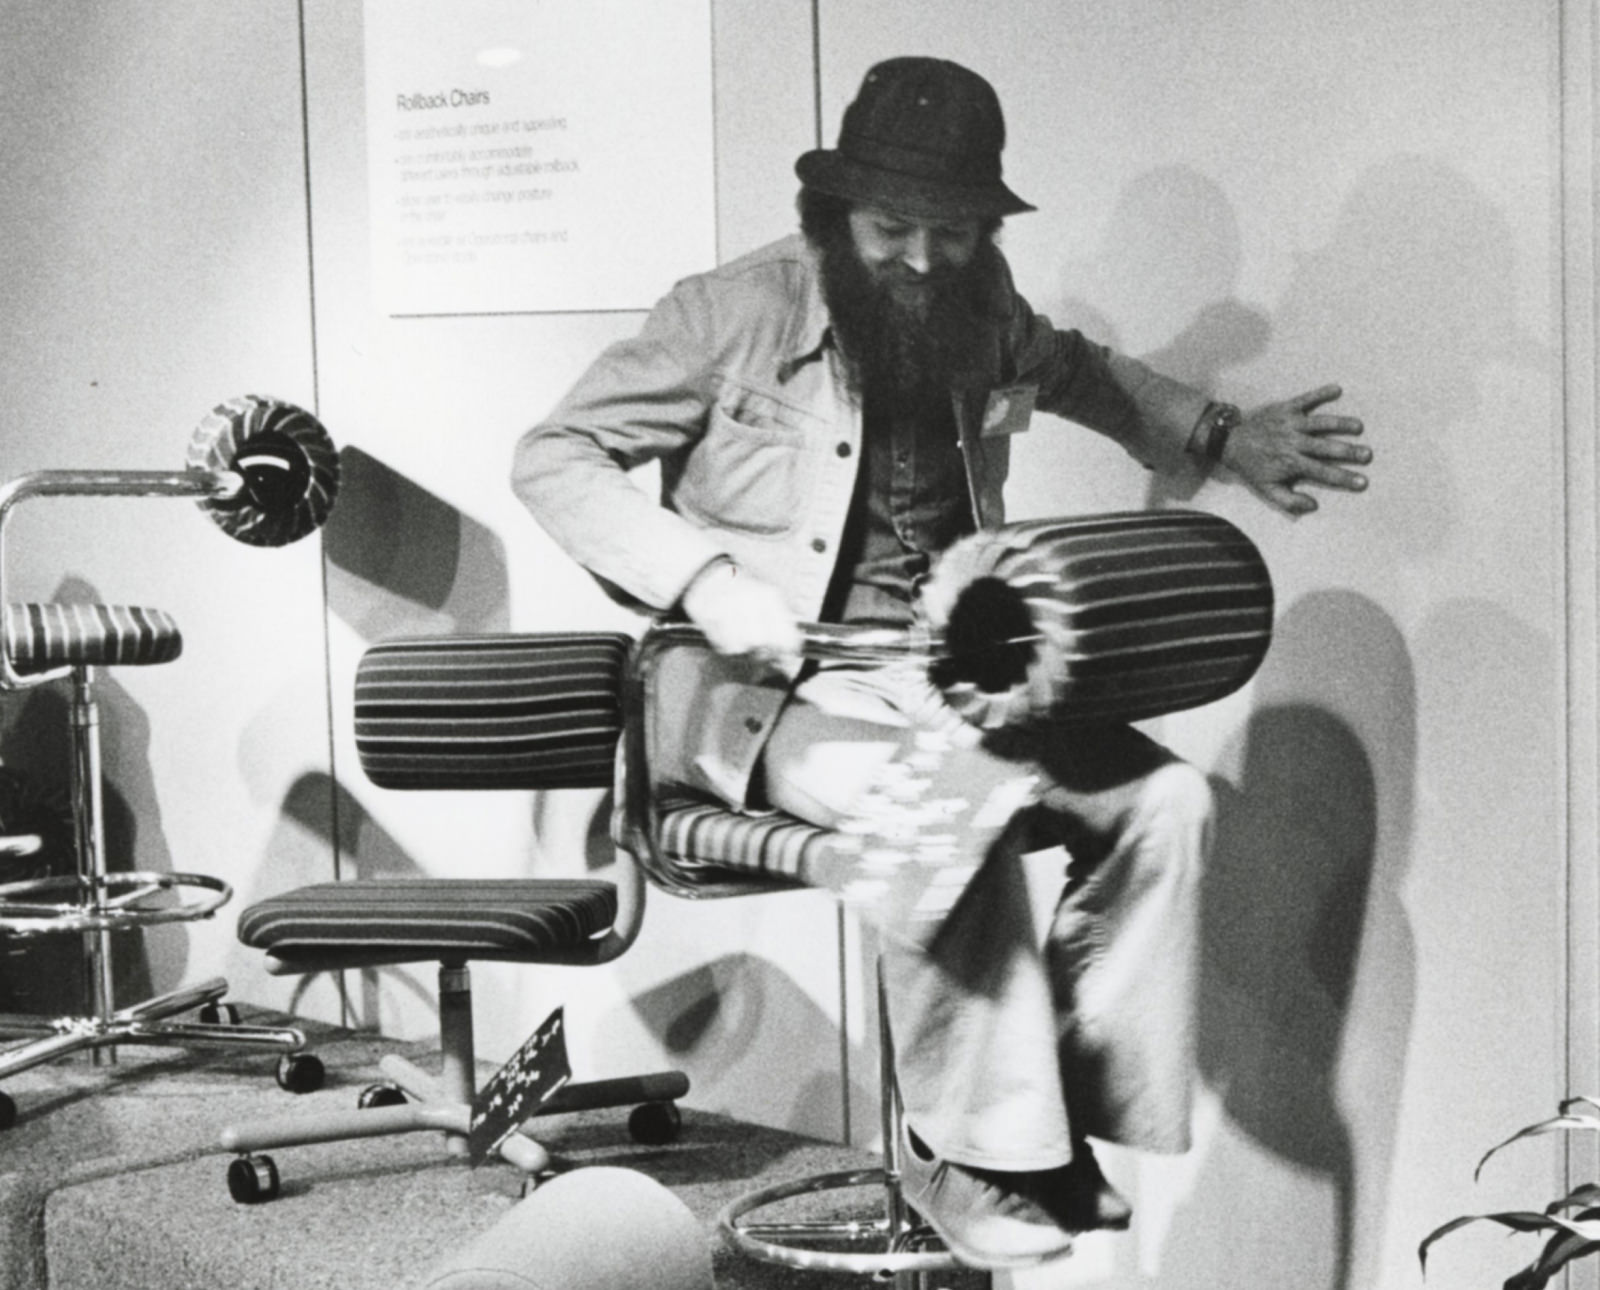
pixel 923 137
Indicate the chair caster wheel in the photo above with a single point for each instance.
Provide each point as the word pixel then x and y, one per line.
pixel 655 1123
pixel 300 1072
pixel 380 1095
pixel 8 1111
pixel 253 1180
pixel 219 1014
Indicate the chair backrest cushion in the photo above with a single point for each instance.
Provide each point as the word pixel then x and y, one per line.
pixel 530 711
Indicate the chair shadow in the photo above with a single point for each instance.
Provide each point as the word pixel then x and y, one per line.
pixel 45 974
pixel 402 560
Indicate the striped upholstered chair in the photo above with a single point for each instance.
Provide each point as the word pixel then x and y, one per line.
pixel 464 713
pixel 1117 617
pixel 1101 618
pixel 266 473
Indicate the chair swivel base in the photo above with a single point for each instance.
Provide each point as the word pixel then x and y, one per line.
pixel 142 1024
pixel 412 1102
pixel 900 1248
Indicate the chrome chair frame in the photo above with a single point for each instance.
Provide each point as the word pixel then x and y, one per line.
pixel 445 1102
pixel 904 1251
pixel 96 904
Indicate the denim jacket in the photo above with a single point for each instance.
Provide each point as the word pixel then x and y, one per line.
pixel 735 387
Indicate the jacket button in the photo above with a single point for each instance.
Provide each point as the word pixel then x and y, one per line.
pixel 753 725
pixel 843 450
pixel 818 545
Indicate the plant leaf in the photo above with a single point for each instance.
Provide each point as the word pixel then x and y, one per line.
pixel 1588 1194
pixel 1558 1124
pixel 1518 1220
pixel 1559 1251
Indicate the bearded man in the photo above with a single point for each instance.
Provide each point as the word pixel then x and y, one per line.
pixel 830 413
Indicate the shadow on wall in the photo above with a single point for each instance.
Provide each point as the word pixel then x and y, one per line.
pixel 317 814
pixel 719 1020
pixel 1308 964
pixel 35 738
pixel 442 572
pixel 1410 305
pixel 1168 268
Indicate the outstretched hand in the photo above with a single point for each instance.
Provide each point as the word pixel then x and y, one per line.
pixel 1278 448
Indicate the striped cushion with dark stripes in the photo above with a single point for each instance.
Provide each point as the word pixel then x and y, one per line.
pixel 696 834
pixel 431 918
pixel 1134 614
pixel 506 711
pixel 42 636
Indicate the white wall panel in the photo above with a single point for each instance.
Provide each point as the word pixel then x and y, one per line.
pixel 154 209
pixel 1261 197
pixel 741 993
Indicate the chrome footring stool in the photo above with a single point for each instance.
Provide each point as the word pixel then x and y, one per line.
pixel 267 474
pixel 489 713
pixel 1099 618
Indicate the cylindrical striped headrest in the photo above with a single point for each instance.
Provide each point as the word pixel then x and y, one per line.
pixel 1101 618
pixel 536 711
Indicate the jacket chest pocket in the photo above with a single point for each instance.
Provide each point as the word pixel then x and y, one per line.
pixel 745 474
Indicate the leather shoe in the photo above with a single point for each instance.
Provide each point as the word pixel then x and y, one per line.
pixel 987 1218
pixel 1080 1198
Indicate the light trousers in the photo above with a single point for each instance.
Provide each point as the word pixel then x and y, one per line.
pixel 1038 1013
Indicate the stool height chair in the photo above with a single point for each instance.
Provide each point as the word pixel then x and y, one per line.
pixel 266 473
pixel 1115 617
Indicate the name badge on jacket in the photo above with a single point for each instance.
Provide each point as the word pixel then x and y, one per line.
pixel 1009 410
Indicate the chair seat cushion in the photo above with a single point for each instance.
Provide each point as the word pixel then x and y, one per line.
pixel 696 834
pixel 526 920
pixel 43 636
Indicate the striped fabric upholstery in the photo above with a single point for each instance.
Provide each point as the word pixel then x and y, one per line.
pixel 707 840
pixel 42 636
pixel 536 711
pixel 1136 614
pixel 422 919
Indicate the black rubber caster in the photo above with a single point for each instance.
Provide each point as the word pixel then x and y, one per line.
pixel 219 1014
pixel 380 1095
pixel 8 1111
pixel 300 1072
pixel 655 1123
pixel 253 1180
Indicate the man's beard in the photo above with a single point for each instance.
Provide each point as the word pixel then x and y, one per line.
pixel 906 339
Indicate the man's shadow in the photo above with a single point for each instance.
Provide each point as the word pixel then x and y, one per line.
pixel 1308 964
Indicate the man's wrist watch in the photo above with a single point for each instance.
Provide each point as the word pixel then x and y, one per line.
pixel 1210 436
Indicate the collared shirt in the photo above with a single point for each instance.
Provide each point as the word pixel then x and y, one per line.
pixel 911 503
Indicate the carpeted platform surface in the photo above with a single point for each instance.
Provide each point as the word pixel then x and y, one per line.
pixel 112 1178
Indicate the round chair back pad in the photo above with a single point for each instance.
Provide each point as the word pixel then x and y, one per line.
pixel 507 711
pixel 1126 615
pixel 288 461
pixel 42 636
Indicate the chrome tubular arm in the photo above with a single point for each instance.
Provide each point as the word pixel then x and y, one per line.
pixel 195 484
pixel 640 811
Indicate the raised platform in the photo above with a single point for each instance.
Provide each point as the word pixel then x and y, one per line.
pixel 113 1178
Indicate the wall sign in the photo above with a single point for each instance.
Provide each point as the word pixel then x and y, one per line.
pixel 532 156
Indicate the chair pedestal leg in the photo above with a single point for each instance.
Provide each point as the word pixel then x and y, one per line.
pixel 103 1026
pixel 89 833
pixel 892 1246
pixel 458 1072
